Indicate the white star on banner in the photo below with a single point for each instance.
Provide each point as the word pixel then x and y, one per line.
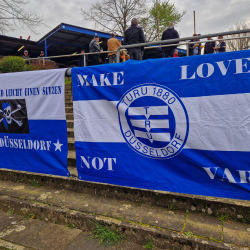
pixel 58 145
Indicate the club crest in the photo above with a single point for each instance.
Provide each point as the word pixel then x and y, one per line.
pixel 153 121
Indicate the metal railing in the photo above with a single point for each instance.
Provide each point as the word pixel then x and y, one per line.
pixel 163 43
pixel 177 40
pixel 70 55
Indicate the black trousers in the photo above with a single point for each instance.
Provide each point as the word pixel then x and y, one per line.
pixel 135 54
pixel 95 59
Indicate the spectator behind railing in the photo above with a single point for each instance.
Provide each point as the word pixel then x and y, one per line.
pixel 197 47
pixel 220 46
pixel 209 46
pixel 169 33
pixel 81 59
pixel 133 35
pixel 113 44
pixel 95 47
pixel 26 56
pixel 41 54
pixel 176 52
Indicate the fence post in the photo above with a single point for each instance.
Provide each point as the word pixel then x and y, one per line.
pixel 84 60
pixel 118 56
pixel 187 49
pixel 43 61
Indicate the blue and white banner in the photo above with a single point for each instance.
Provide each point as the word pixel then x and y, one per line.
pixel 176 124
pixel 33 129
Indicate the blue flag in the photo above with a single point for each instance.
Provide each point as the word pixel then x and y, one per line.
pixel 33 129
pixel 174 124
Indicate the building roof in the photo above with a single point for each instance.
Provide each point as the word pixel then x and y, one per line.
pixel 11 45
pixel 68 39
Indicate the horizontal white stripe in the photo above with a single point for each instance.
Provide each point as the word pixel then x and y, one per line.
pixel 39 107
pixel 153 136
pixel 219 122
pixel 150 124
pixel 148 111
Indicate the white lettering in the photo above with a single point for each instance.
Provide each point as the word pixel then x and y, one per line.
pixel 227 174
pixel 86 162
pixel 222 67
pixel 184 73
pixel 210 68
pixel 105 80
pixel 209 172
pixel 100 163
pixel 117 76
pixel 83 80
pixel 239 66
pixel 243 176
pixel 110 161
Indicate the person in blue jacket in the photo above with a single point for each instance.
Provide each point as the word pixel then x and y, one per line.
pixel 221 47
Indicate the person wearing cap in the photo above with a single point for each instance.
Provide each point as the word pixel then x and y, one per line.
pixel 26 56
pixel 209 46
pixel 81 59
pixel 113 44
pixel 95 47
pixel 169 33
pixel 42 54
pixel 133 35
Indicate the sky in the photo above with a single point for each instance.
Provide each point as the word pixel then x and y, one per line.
pixel 211 16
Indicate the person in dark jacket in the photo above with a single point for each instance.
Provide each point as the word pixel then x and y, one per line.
pixel 81 59
pixel 209 46
pixel 221 47
pixel 26 56
pixel 42 54
pixel 169 33
pixel 95 47
pixel 133 35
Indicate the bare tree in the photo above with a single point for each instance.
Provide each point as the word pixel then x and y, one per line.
pixel 13 15
pixel 239 44
pixel 115 15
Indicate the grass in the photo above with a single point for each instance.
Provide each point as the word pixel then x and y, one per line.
pixel 68 80
pixel 4 248
pixel 149 244
pixel 171 207
pixel 71 226
pixel 10 212
pixel 222 217
pixel 106 236
pixel 30 216
pixel 35 183
pixel 189 234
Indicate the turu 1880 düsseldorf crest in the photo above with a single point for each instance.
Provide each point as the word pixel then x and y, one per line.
pixel 153 121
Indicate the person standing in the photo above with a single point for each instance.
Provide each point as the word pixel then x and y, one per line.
pixel 41 54
pixel 197 47
pixel 113 44
pixel 95 47
pixel 81 59
pixel 169 33
pixel 133 35
pixel 209 46
pixel 26 56
pixel 221 46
